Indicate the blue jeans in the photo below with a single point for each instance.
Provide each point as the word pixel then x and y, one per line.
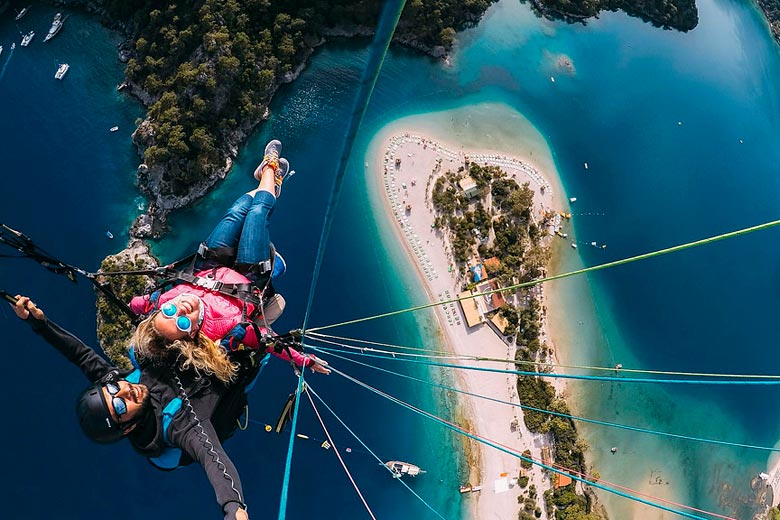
pixel 245 227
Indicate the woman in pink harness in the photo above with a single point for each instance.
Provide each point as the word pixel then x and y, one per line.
pixel 202 327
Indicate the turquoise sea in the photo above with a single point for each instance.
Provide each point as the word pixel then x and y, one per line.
pixel 680 132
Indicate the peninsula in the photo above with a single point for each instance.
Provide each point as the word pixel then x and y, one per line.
pixel 473 222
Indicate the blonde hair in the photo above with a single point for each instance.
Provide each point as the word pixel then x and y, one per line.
pixel 199 353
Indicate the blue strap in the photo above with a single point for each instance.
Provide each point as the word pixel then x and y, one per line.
pixel 263 363
pixel 167 415
pixel 135 375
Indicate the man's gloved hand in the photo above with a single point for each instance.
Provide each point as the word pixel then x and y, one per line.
pixel 232 340
pixel 233 511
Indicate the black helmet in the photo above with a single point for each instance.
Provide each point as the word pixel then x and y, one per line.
pixel 95 418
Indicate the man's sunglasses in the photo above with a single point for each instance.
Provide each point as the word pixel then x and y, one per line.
pixel 170 311
pixel 120 406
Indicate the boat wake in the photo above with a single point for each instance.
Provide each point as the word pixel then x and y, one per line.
pixel 7 61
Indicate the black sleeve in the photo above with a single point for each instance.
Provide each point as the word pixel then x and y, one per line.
pixel 201 443
pixel 90 362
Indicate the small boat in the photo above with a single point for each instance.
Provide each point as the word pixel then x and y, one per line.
pixel 113 129
pixel 23 12
pixel 27 38
pixel 1 49
pixel 574 246
pixel 586 165
pixel 400 468
pixel 573 199
pixel 552 79
pixel 56 25
pixel 13 45
pixel 109 234
pixel 62 70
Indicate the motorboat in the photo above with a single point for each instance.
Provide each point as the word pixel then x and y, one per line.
pixel 62 70
pixel 23 12
pixel 400 468
pixel 27 38
pixel 113 129
pixel 56 25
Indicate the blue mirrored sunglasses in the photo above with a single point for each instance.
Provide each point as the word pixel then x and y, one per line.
pixel 120 406
pixel 170 311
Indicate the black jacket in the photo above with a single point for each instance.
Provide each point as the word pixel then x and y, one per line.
pixel 197 438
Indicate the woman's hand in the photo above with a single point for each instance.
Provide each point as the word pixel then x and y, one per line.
pixel 25 307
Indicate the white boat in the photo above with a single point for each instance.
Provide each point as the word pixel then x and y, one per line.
pixel 13 45
pixel 56 25
pixel 574 246
pixel 586 165
pixel 22 12
pixel 1 49
pixel 113 129
pixel 61 70
pixel 400 468
pixel 573 199
pixel 27 38
pixel 552 79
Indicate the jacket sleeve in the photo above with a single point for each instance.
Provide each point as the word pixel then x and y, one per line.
pixel 201 443
pixel 299 359
pixel 140 304
pixel 92 364
pixel 251 341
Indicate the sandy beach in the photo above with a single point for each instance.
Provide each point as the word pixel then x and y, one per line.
pixel 407 187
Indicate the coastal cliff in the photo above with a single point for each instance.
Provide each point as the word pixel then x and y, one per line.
pixel 771 9
pixel 681 15
pixel 113 326
pixel 206 72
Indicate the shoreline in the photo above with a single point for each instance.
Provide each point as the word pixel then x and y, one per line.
pixel 428 250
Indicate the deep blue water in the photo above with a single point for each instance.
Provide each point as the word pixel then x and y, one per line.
pixel 67 180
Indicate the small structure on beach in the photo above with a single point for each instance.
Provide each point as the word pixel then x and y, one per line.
pixel 469 186
pixel 491 301
pixel 491 264
pixel 477 272
pixel 469 308
pixel 561 480
pixel 500 323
